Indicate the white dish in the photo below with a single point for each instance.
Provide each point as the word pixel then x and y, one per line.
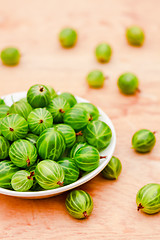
pixel 49 193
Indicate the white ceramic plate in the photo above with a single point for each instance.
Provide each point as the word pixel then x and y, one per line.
pixel 48 193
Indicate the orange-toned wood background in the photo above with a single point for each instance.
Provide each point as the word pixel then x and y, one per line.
pixel 32 26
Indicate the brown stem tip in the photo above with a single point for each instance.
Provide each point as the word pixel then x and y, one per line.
pixel 154 132
pixel 103 157
pixel 61 110
pixel 85 214
pixel 139 207
pixel 40 121
pixel 31 175
pixel 28 162
pixel 60 183
pixel 138 90
pixel 11 129
pixel 79 133
pixel 41 89
pixel 91 118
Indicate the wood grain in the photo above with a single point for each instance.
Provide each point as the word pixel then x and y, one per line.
pixel 33 26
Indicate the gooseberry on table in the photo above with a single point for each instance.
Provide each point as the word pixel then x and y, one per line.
pixel 113 169
pixel 135 36
pixel 38 120
pixel 79 204
pixel 148 198
pixel 143 140
pixel 128 83
pixel 103 53
pixel 95 79
pixel 68 37
pixel 10 56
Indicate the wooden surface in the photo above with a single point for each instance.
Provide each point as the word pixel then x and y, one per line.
pixel 33 26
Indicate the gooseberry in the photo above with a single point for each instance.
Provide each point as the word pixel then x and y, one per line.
pixel 113 169
pixel 95 79
pixel 128 83
pixel 22 181
pixel 135 36
pixel 68 37
pixel 103 52
pixel 10 56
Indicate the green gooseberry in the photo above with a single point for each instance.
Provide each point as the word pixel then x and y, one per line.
pixel 21 107
pixel 22 181
pixel 69 98
pixel 98 134
pixel 2 102
pixel 90 108
pixel 7 170
pixel 103 52
pixel 87 158
pixel 57 107
pixel 39 119
pixel 78 118
pixel 68 37
pixel 143 141
pixel 51 144
pixel 4 111
pixel 113 169
pixel 4 147
pixel 135 36
pixel 148 198
pixel 14 127
pixel 10 56
pixel 38 96
pixel 49 174
pixel 52 91
pixel 68 134
pixel 79 204
pixel 23 153
pixel 95 79
pixel 128 83
pixel 32 138
pixel 75 148
pixel 71 171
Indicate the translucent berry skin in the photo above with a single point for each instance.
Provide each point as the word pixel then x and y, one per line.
pixel 23 153
pixel 32 138
pixel 98 134
pixel 4 111
pixel 135 36
pixel 10 56
pixel 95 79
pixel 69 98
pixel 79 204
pixel 38 96
pixel 57 107
pixel 75 148
pixel 148 198
pixel 39 119
pixel 87 158
pixel 70 169
pixel 7 170
pixel 21 107
pixel 128 83
pixel 21 181
pixel 68 134
pixel 51 144
pixel 49 174
pixel 68 37
pixel 103 53
pixel 113 169
pixel 52 91
pixel 90 108
pixel 78 118
pixel 4 148
pixel 143 141
pixel 14 127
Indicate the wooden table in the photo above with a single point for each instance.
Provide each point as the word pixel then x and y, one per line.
pixel 33 26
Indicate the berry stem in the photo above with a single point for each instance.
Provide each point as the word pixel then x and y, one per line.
pixel 61 110
pixel 154 132
pixel 103 157
pixel 28 162
pixel 41 89
pixel 31 175
pixel 60 183
pixel 11 129
pixel 79 133
pixel 91 118
pixel 139 207
pixel 40 121
pixel 85 214
pixel 138 90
